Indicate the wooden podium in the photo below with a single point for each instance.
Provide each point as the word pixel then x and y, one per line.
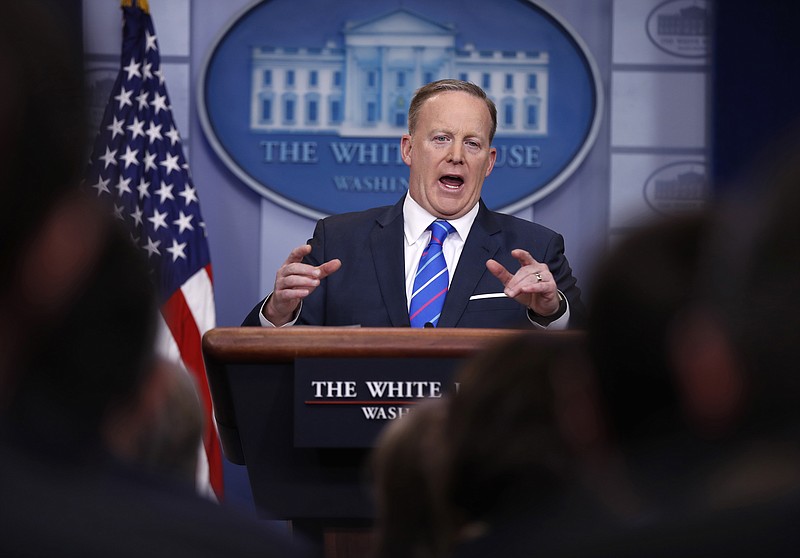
pixel 324 491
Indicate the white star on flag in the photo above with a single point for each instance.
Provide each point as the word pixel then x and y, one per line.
pixel 115 128
pixel 109 157
pixel 124 98
pixel 184 222
pixel 188 194
pixel 170 163
pixel 122 186
pixel 165 192
pixel 177 250
pixel 136 128
pixel 141 98
pixel 158 219
pixel 130 157
pixel 133 69
pixel 102 186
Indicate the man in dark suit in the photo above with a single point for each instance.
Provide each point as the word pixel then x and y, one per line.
pixel 360 268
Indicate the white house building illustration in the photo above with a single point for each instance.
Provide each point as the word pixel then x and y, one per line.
pixel 364 86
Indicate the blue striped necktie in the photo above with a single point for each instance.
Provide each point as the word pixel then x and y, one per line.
pixel 431 280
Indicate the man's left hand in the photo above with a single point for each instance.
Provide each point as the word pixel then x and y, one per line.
pixel 532 285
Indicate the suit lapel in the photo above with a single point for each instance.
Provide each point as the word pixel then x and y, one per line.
pixel 479 247
pixel 386 242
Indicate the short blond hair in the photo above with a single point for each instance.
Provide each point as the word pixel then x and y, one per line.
pixel 429 90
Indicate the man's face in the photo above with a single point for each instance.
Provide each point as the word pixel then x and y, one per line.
pixel 449 153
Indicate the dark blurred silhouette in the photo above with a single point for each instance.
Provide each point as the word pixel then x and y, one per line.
pixel 640 292
pixel 693 333
pixel 750 281
pixel 91 356
pixel 493 469
pixel 41 158
pixel 77 323
pixel 407 468
pixel 517 434
pixel 63 488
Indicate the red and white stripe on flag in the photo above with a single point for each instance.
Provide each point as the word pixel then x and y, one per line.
pixel 188 314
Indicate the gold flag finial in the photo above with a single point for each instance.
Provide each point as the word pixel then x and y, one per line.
pixel 142 4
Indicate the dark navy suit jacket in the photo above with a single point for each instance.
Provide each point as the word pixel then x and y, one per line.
pixel 369 289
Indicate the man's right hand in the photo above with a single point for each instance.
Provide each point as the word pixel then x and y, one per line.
pixel 294 281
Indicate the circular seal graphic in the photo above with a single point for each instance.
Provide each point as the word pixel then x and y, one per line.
pixel 309 111
pixel 677 188
pixel 681 27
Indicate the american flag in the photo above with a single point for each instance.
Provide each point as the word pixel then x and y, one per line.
pixel 138 166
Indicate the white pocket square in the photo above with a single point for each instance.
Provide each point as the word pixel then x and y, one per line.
pixel 487 295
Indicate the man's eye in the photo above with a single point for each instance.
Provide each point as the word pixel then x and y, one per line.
pixel 440 138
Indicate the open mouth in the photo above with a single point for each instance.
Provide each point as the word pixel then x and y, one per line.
pixel 451 181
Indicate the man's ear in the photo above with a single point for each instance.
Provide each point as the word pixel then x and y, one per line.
pixel 492 160
pixel 405 149
pixel 709 377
